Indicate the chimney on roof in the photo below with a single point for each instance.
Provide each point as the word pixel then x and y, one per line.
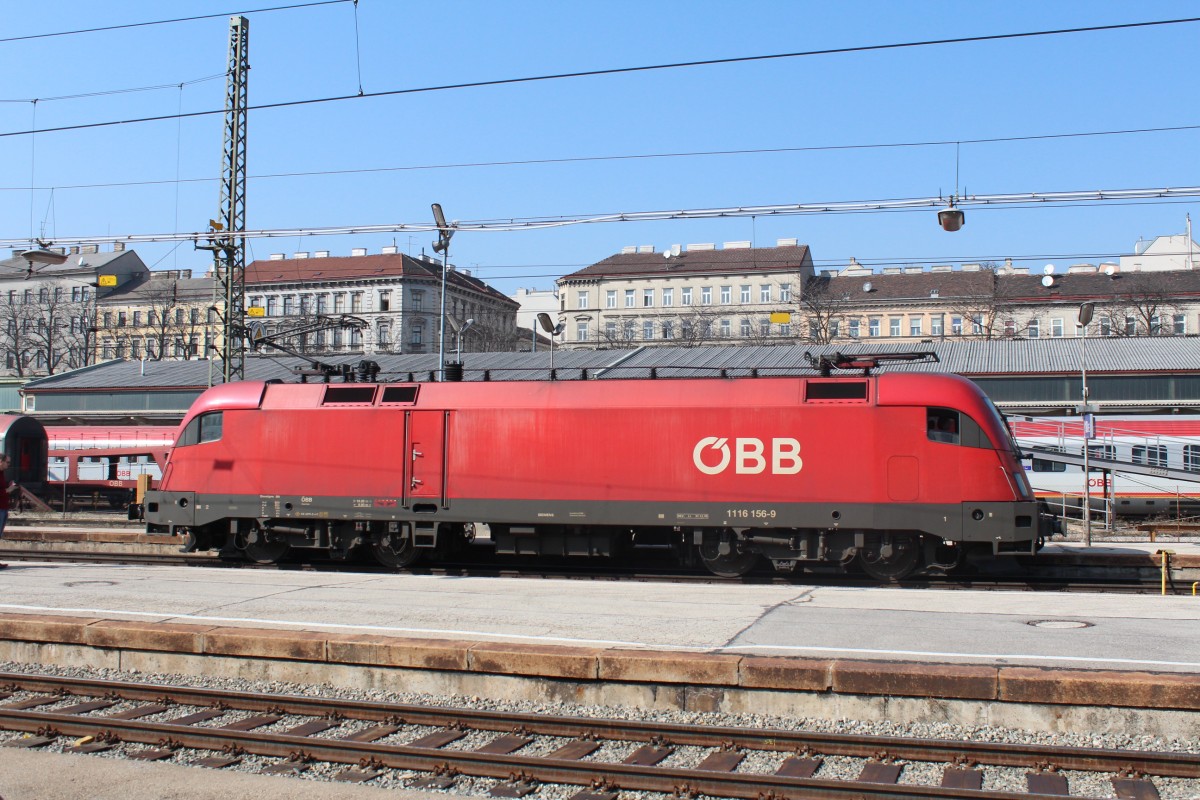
pixel 185 273
pixel 277 257
pixel 390 250
pixel 701 246
pixel 299 255
pixel 743 245
pixel 787 242
pixel 358 251
pixel 89 248
pixel 645 248
pixel 118 247
pixel 74 249
pixel 628 249
pixel 321 254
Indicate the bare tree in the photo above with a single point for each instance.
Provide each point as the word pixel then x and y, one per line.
pixel 48 329
pixel 990 310
pixel 1142 306
pixel 823 309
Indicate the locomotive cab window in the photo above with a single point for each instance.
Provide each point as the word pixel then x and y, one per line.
pixel 954 427
pixel 204 428
pixel 942 425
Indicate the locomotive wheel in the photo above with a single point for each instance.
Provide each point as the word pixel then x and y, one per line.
pixel 264 552
pixel 732 564
pixel 891 557
pixel 395 552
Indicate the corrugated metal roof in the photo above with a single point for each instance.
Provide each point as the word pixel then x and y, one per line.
pixel 1107 356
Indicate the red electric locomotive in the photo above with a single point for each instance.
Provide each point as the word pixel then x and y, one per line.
pixel 890 472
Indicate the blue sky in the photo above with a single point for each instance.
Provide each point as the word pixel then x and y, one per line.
pixel 1071 83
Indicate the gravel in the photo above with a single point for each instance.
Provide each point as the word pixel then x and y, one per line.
pixel 833 767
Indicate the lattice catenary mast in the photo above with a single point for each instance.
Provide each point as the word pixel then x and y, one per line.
pixel 229 248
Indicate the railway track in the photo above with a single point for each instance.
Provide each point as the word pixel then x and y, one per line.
pixel 1017 582
pixel 439 747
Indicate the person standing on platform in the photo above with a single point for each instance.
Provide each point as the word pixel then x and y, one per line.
pixel 4 502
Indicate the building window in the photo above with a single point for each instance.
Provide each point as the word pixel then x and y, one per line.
pixel 935 324
pixel 583 300
pixel 610 298
pixel 581 331
pixel 1105 326
pixel 764 293
pixel 289 305
pixel 418 302
pixel 686 296
pixel 873 326
pixel 385 301
pixel 814 329
pixel 764 327
pixel 1056 327
pixel 323 302
pixel 956 328
pixel 630 298
pixel 977 324
pixel 647 330
pixel 1155 325
pixel 137 318
pixel 1130 326
pixel 610 331
pixel 726 295
pixel 914 326
pixel 194 315
pixel 179 316
pixel 356 303
pixel 785 329
pixel 854 325
pixel 1010 327
pixel 355 338
pixel 108 319
pixel 726 328
pixel 1179 325
pixel 745 328
pixel 339 303
pixel 647 298
pixel 706 295
pixel 1035 328
pixel 271 309
pixel 668 330
pixel 785 293
pixel 122 319
pixel 668 297
pixel 418 334
pixel 894 324
pixel 745 294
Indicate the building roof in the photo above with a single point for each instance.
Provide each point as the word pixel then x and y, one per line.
pixel 1175 355
pixel 18 267
pixel 262 273
pixel 725 261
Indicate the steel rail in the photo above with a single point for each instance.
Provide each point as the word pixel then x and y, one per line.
pixel 1183 765
pixel 680 782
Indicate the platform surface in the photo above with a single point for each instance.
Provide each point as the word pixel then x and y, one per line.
pixel 1048 629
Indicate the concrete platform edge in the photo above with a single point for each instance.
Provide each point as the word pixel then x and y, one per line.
pixel 1159 704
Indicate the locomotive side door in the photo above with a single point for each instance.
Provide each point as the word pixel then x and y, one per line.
pixel 426 479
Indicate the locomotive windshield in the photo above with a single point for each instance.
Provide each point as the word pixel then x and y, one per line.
pixel 204 428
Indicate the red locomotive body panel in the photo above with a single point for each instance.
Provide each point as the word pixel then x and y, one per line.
pixel 615 441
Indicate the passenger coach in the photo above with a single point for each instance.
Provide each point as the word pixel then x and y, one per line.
pixel 887 473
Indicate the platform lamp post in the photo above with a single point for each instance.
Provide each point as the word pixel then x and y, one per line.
pixel 554 330
pixel 442 245
pixel 1085 317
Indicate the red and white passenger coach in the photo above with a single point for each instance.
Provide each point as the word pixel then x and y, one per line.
pixel 888 472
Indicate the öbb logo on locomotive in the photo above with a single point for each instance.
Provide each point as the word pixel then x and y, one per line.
pixel 750 456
